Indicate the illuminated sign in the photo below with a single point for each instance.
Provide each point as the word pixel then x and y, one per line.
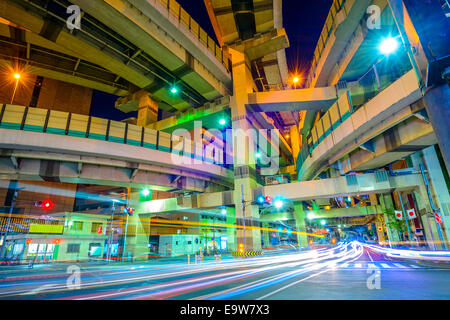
pixel 46 228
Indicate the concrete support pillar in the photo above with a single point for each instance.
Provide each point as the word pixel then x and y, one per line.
pixel 426 217
pixel 387 204
pixel 438 109
pixel 266 236
pixel 147 112
pixel 138 236
pixel 300 224
pixel 380 225
pixel 295 141
pixel 231 230
pixel 243 141
pixel 439 187
pixel 424 206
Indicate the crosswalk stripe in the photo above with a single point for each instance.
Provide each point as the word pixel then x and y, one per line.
pixel 358 265
pixel 399 265
pixel 385 265
pixel 413 266
pixel 371 265
pixel 345 265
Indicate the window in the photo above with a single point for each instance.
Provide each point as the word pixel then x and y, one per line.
pixel 76 225
pixel 189 242
pixel 95 249
pixel 176 243
pixel 96 226
pixel 73 248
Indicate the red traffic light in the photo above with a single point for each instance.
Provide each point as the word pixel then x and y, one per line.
pixel 268 198
pixel 28 241
pixel 99 230
pixel 56 241
pixel 47 204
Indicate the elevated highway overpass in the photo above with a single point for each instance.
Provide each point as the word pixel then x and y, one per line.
pixel 128 46
pixel 48 145
pixel 352 185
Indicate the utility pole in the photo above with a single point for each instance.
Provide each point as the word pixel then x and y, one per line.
pixel 108 255
pixel 406 219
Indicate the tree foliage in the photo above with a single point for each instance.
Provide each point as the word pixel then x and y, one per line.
pixel 394 223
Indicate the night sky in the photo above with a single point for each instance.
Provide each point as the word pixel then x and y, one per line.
pixel 302 19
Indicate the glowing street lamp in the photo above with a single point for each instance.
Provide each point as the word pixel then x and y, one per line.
pixel 323 222
pixel 17 77
pixel 222 122
pixel 173 89
pixel 388 46
pixel 224 211
pixel 278 204
pixel 311 216
pixel 145 192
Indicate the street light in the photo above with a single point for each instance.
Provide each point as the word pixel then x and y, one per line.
pixel 222 122
pixel 388 46
pixel 17 77
pixel 323 222
pixel 311 216
pixel 224 211
pixel 278 204
pixel 295 81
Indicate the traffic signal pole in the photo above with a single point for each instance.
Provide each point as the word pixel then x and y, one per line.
pixel 125 238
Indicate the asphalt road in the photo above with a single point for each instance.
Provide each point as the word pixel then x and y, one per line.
pixel 343 272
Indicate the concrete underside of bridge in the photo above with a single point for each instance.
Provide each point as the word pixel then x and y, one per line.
pixel 80 160
pixel 202 83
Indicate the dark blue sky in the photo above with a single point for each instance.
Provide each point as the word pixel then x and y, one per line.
pixel 302 19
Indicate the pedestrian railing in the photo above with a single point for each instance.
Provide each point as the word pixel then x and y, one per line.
pixel 175 10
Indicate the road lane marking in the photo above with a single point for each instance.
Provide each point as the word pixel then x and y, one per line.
pixel 292 284
pixel 399 265
pixel 357 265
pixel 385 265
pixel 41 288
pixel 413 266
